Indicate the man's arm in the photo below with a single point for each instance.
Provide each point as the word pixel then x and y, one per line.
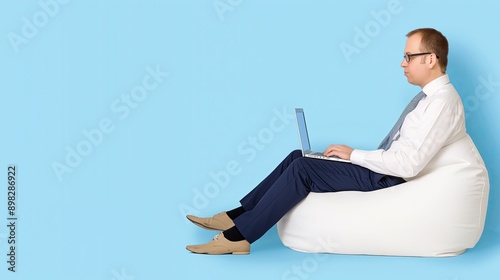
pixel 419 141
pixel 421 138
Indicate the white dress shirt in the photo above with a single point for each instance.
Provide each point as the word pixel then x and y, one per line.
pixel 437 121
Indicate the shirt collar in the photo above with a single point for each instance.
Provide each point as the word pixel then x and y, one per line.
pixel 436 84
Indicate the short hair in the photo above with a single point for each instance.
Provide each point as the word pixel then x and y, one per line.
pixel 435 42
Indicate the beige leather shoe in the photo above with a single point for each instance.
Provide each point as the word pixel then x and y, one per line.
pixel 220 245
pixel 218 222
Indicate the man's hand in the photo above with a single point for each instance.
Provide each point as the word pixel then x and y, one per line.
pixel 342 151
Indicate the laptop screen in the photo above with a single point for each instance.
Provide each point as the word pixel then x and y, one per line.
pixel 301 124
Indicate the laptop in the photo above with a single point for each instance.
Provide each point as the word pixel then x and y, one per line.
pixel 304 139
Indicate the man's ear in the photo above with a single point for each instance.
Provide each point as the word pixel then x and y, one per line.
pixel 432 61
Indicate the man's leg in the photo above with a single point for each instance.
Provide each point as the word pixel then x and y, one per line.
pixel 284 188
pixel 302 176
pixel 253 197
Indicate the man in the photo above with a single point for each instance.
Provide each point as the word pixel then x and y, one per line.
pixel 432 120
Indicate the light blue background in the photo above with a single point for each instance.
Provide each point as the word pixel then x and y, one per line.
pixel 119 213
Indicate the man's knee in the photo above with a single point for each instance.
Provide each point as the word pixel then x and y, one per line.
pixel 300 171
pixel 296 154
pixel 299 163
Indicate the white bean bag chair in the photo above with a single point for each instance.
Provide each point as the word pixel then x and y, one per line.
pixel 439 213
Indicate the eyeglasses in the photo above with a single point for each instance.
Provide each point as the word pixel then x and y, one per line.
pixel 408 56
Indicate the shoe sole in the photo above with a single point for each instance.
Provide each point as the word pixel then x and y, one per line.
pixel 228 253
pixel 240 253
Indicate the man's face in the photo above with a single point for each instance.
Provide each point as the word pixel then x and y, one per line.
pixel 415 71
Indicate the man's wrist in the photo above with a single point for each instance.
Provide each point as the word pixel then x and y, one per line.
pixel 357 156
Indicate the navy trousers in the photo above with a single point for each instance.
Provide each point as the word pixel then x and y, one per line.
pixel 292 180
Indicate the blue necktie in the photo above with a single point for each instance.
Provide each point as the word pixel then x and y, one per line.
pixel 386 143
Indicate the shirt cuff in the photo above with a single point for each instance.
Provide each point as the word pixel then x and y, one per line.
pixel 358 157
